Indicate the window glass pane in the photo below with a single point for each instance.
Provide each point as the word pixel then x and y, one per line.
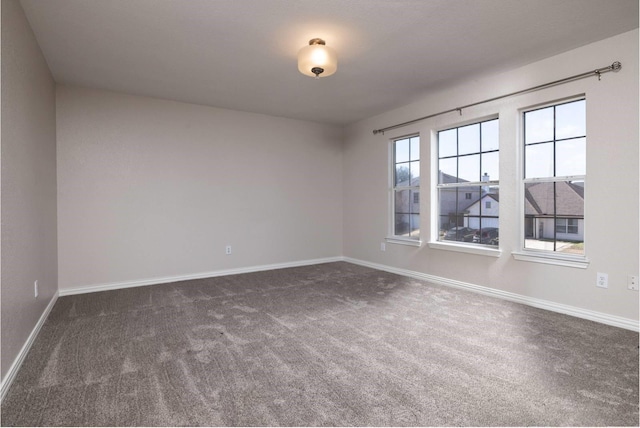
pixel 570 199
pixel 415 225
pixel 539 225
pixel 571 157
pixel 415 148
pixel 570 209
pixel 415 173
pixel 467 220
pixel 414 200
pixel 469 168
pixel 571 120
pixel 406 202
pixel 448 169
pixel 538 160
pixel 402 225
pixel 539 199
pixel 467 196
pixel 489 233
pixel 449 200
pixel 402 174
pixel 490 135
pixel 554 213
pixel 402 151
pixel 402 202
pixel 447 143
pixel 490 166
pixel 469 139
pixel 443 226
pixel 538 125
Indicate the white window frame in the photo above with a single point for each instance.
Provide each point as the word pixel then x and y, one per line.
pixel 580 261
pixel 391 236
pixel 454 246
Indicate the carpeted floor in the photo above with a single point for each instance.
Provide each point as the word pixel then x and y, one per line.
pixel 332 344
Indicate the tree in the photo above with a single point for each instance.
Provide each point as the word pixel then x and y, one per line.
pixel 402 174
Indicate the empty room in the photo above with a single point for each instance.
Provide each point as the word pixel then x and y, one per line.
pixel 319 213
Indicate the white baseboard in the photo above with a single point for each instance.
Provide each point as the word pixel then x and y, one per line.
pixel 167 279
pixel 17 363
pixel 600 317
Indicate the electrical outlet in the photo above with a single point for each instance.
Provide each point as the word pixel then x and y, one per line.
pixel 602 280
pixel 383 246
pixel 632 282
pixel 227 249
pixel 35 288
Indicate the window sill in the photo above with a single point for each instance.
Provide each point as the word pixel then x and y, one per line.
pixel 403 241
pixel 551 259
pixel 462 248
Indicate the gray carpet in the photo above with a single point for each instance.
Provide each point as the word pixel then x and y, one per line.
pixel 332 344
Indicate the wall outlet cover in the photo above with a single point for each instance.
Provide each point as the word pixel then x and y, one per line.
pixel 602 280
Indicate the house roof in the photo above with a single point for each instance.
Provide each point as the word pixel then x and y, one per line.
pixel 415 181
pixel 539 199
pixel 569 200
pixel 495 197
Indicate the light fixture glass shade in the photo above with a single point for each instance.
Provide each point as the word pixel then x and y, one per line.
pixel 317 60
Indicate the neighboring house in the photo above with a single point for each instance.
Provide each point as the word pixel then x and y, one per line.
pixel 569 209
pixel 488 206
pixel 457 210
pixel 453 202
pixel 407 206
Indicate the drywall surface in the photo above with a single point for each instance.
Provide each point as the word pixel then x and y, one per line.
pixel 29 250
pixel 611 195
pixel 149 188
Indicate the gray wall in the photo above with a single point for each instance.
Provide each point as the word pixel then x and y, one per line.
pixel 29 251
pixel 150 188
pixel 611 193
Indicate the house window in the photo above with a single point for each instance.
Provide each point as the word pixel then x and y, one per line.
pixel 468 183
pixel 554 177
pixel 567 225
pixel 406 188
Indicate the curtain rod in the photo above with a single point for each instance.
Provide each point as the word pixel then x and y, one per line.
pixel 616 66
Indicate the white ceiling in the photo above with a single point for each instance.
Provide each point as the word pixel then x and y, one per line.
pixel 241 54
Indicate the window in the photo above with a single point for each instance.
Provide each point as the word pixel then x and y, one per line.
pixel 554 177
pixel 566 225
pixel 468 183
pixel 406 188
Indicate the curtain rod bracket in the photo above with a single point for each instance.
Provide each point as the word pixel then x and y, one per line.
pixel 459 110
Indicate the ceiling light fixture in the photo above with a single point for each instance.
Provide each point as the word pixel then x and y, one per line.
pixel 317 59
